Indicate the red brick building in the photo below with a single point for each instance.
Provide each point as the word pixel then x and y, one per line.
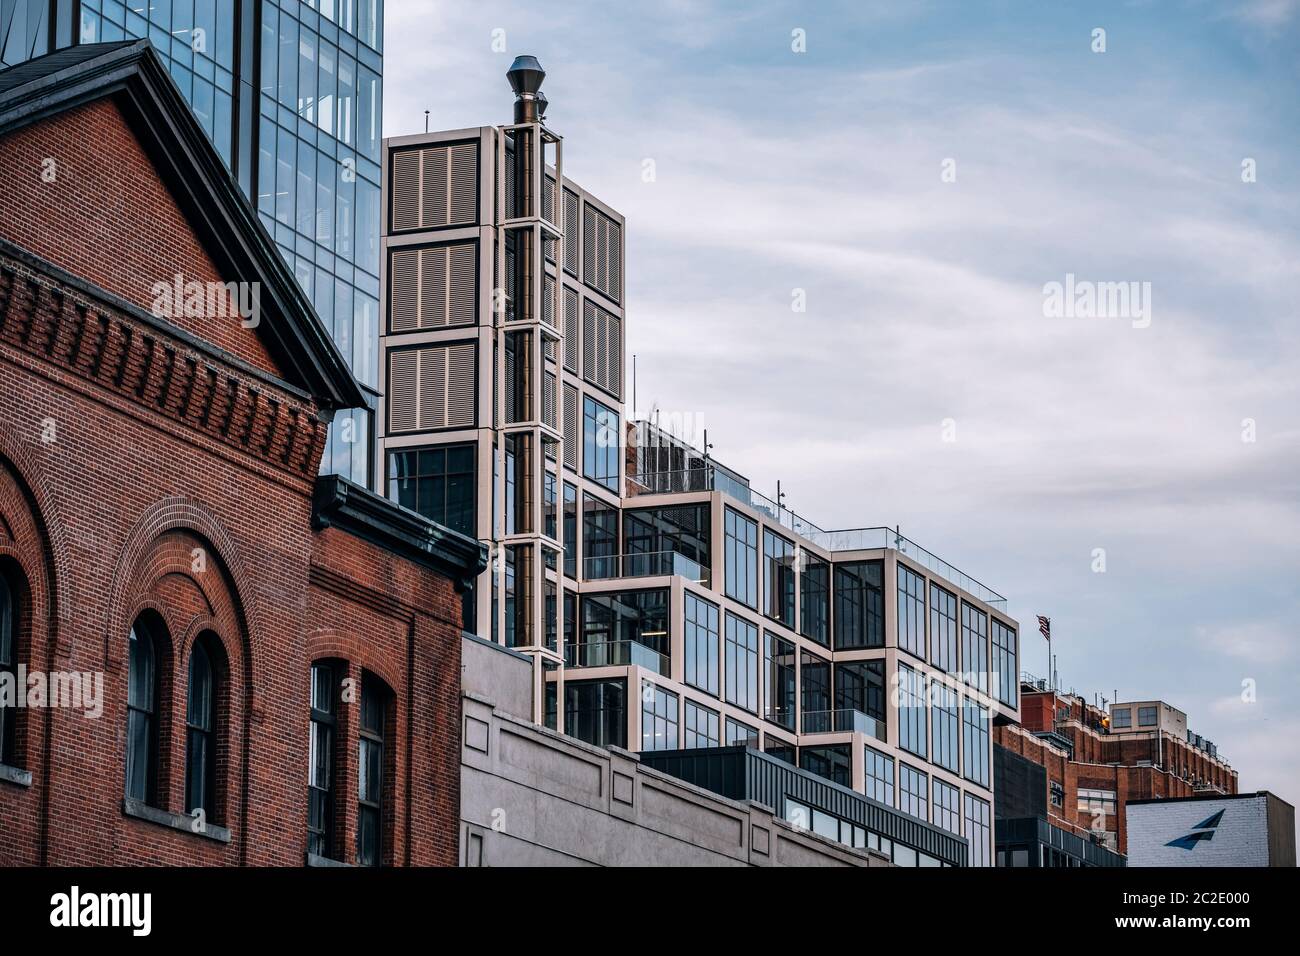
pixel 162 524
pixel 1094 769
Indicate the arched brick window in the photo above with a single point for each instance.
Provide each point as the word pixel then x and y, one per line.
pixel 321 787
pixel 372 769
pixel 145 660
pixel 9 688
pixel 204 705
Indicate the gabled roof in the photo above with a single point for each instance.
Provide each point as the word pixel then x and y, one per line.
pixel 223 220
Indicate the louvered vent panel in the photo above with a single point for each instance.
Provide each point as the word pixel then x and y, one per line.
pixel 602 348
pixel 463 184
pixel 572 234
pixel 548 200
pixel 570 429
pixel 403 378
pixel 405 188
pixel 433 288
pixel 404 289
pixel 462 291
pixel 588 340
pixel 571 330
pixel 432 388
pixel 548 400
pixel 548 301
pixel 614 282
pixel 588 244
pixel 461 380
pixel 433 192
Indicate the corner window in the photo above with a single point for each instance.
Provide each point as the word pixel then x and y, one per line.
pixel 600 443
pixel 1005 672
pixel 658 718
pixel 911 611
pixel 778 578
pixel 859 604
pixel 943 629
pixel 815 600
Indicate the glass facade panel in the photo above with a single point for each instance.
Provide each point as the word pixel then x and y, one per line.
pixel 946 720
pixel 317 100
pixel 859 604
pixel 700 644
pixel 436 482
pixel 701 726
pixel 742 663
pixel 911 710
pixel 779 686
pixel 815 601
pixel 975 647
pixel 911 611
pixel 740 558
pixel 600 443
pixel 658 718
pixel 1006 677
pixel 914 792
pixel 943 629
pixel 880 777
pixel 975 733
pixel 947 806
pixel 978 830
pixel 596 712
pixel 778 578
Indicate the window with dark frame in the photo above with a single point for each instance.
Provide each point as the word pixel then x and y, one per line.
pixel 779 688
pixel 946 721
pixel 880 777
pixel 320 758
pixel 946 803
pixel 8 666
pixel 1005 668
pixel 914 792
pixel 975 646
pixel 943 629
pixel 740 558
pixel 912 723
pixel 370 771
pixel 701 726
pixel 911 611
pixel 436 482
pixel 859 604
pixel 741 659
pixel 815 600
pixel 141 719
pixel 200 726
pixel 700 644
pixel 778 578
pixel 600 443
pixel 975 740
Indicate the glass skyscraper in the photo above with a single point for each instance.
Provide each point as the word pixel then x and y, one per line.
pixel 291 93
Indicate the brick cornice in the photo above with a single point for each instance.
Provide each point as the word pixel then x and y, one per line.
pixel 56 319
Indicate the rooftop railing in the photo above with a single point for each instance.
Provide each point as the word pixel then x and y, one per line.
pixel 853 539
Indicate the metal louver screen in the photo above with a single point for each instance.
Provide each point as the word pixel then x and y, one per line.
pixel 431 388
pixel 572 234
pixel 602 253
pixel 602 348
pixel 434 187
pixel 571 330
pixel 405 190
pixel 433 287
pixel 570 429
pixel 548 301
pixel 548 401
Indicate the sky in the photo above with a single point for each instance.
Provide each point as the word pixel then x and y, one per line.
pixel 915 175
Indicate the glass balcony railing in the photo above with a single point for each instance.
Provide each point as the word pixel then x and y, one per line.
pixel 644 566
pixel 616 654
pixel 853 539
pixel 844 720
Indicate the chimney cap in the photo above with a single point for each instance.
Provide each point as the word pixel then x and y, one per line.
pixel 525 75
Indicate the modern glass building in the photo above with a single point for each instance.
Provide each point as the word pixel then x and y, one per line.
pixel 291 93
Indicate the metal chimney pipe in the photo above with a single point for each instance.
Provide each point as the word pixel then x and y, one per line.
pixel 525 76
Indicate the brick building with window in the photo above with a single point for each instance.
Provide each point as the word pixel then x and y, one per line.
pixel 1097 760
pixel 270 660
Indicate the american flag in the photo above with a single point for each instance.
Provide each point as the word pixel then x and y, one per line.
pixel 1045 626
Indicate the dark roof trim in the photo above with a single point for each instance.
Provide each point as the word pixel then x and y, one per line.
pixel 1253 795
pixel 222 218
pixel 345 505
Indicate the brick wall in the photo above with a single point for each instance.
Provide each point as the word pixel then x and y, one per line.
pixel 140 476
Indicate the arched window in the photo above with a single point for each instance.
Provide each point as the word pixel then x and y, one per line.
pixel 9 688
pixel 200 726
pixel 370 771
pixel 324 732
pixel 142 716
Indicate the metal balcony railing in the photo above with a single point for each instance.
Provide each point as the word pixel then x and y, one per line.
pixel 643 566
pixel 852 539
pixel 844 720
pixel 616 654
